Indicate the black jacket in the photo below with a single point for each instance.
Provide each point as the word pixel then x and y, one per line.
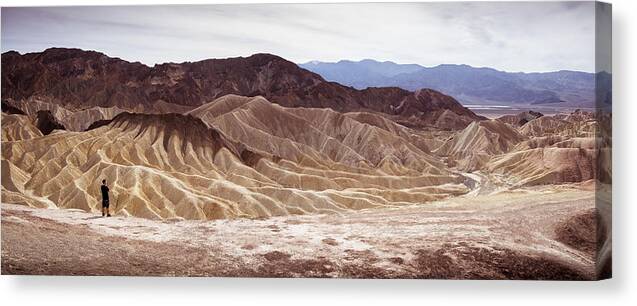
pixel 104 193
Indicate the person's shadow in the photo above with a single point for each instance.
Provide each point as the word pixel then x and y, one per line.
pixel 94 217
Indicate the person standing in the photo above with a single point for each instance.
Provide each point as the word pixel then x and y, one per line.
pixel 105 203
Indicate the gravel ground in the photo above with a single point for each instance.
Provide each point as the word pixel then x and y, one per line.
pixel 540 234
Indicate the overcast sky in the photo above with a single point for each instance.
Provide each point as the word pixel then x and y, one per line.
pixel 523 36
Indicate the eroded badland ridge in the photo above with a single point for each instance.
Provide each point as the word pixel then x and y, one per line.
pixel 375 175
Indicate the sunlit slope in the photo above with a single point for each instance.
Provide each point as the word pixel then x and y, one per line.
pixel 545 150
pixel 472 147
pixel 247 157
pixel 317 136
pixel 18 127
pixel 165 166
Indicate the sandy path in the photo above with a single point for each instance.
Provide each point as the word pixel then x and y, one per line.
pixel 524 235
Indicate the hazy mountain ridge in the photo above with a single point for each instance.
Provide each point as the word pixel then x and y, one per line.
pixel 471 85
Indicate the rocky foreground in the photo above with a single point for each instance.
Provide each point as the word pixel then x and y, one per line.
pixel 543 233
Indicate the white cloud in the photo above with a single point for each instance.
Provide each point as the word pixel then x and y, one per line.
pixel 523 36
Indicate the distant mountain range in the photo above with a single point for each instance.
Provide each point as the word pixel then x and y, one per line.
pixel 471 85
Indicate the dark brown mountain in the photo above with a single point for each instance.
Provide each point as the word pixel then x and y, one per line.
pixel 6 108
pixel 78 79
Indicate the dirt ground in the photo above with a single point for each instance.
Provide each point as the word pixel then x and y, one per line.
pixel 542 234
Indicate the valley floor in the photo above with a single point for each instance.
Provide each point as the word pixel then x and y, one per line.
pixel 532 234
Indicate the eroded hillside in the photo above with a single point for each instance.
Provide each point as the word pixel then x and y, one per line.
pixel 247 157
